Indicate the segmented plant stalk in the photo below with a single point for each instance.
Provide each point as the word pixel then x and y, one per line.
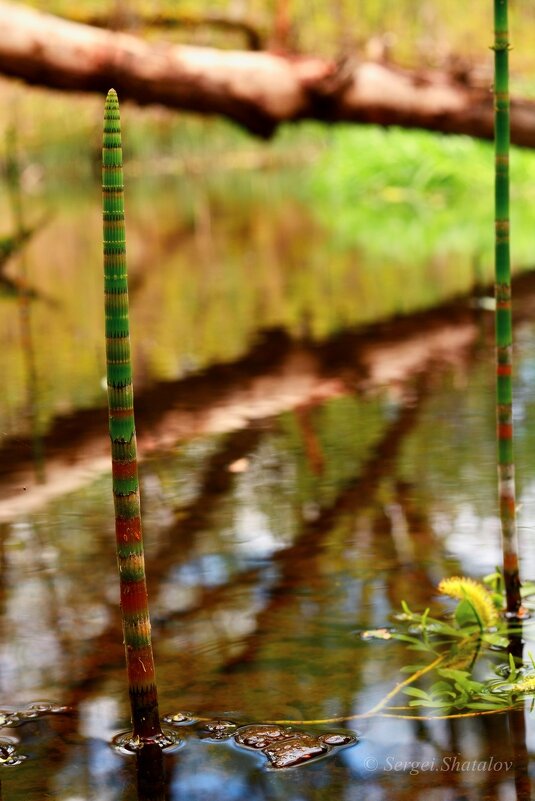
pixel 134 601
pixel 504 328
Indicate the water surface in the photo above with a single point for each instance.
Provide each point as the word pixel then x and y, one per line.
pixel 305 469
pixel 271 543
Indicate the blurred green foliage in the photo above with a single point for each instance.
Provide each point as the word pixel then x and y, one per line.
pixel 420 197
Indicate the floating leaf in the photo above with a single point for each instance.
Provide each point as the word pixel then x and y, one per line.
pixel 376 634
pixel 495 639
pixel 417 693
pixel 487 706
pixel 465 614
pixel 442 688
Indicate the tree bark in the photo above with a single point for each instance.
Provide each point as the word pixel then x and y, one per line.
pixel 257 90
pixel 123 22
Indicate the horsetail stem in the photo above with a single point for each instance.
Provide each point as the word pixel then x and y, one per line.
pixel 504 328
pixel 129 539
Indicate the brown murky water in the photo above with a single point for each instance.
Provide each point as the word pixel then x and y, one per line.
pixel 293 496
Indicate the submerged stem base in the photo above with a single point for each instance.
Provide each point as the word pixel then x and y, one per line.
pixel 129 743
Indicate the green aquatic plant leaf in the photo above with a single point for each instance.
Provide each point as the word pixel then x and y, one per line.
pixel 488 706
pixel 462 679
pixel 495 639
pixel 473 641
pixel 512 668
pixel 466 615
pixel 416 693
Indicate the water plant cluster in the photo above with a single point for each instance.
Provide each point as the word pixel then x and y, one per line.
pixel 477 623
pixel 475 666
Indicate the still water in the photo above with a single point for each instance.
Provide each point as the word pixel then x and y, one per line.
pixel 304 471
pixel 292 499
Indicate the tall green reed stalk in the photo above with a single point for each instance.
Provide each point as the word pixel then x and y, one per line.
pixel 504 328
pixel 129 539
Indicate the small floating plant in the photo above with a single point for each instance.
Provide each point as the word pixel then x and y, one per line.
pixel 468 665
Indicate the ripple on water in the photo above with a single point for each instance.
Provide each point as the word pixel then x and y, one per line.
pixel 259 736
pixel 128 743
pixel 283 746
pixel 286 748
pixel 295 751
pixel 11 716
pixel 218 729
pixel 180 719
pixel 9 756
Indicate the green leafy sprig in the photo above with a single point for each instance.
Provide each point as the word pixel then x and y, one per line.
pixel 470 642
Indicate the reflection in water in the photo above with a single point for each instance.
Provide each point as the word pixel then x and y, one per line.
pixel 270 545
pixel 517 728
pixel 25 297
pixel 517 725
pixel 293 496
pixel 150 774
pixel 261 260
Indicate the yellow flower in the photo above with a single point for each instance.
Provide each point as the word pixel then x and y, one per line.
pixel 466 589
pixel 524 685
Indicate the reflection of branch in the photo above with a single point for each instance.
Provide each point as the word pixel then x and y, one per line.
pixel 358 492
pixel 313 450
pixel 309 541
pixel 380 705
pixel 216 482
pixel 276 375
pixel 25 293
pixel 9 247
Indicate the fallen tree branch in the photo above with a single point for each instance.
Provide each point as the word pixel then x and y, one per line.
pixel 125 22
pixel 257 90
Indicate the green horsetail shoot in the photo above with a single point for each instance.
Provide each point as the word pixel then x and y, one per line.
pixel 129 539
pixel 504 326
